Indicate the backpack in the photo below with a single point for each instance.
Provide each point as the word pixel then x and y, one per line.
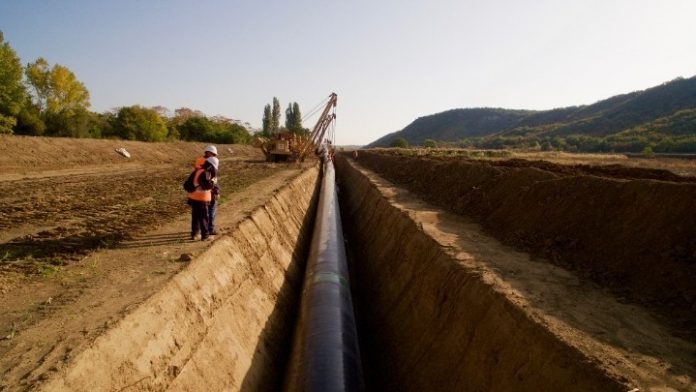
pixel 188 184
pixel 206 182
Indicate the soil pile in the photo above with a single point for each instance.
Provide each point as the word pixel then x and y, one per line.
pixel 29 154
pixel 441 305
pixel 628 229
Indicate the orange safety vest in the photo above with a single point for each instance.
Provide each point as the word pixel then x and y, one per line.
pixel 199 194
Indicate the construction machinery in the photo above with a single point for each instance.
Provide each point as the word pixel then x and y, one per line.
pixel 290 146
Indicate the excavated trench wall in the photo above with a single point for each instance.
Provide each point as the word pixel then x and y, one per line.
pixel 224 323
pixel 427 322
pixel 631 230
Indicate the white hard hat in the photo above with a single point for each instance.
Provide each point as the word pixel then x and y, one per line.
pixel 213 161
pixel 212 149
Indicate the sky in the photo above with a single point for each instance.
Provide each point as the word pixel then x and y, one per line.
pixel 389 61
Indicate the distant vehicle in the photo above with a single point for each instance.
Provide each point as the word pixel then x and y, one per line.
pixel 290 146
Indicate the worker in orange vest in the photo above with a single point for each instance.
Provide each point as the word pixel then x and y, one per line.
pixel 209 153
pixel 199 200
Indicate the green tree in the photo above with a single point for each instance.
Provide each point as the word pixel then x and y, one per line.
pixel 69 123
pixel 399 142
pixel 29 121
pixel 13 94
pixel 101 124
pixel 213 130
pixel 56 89
pixel 197 128
pixel 240 135
pixel 7 123
pixel 183 114
pixel 293 118
pixel 275 119
pixel 648 152
pixel 227 131
pixel 430 143
pixel 665 145
pixel 267 121
pixel 139 123
pixel 62 100
pixel 174 122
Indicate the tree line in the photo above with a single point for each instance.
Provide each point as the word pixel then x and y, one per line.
pixel 675 133
pixel 619 143
pixel 48 100
pixel 271 119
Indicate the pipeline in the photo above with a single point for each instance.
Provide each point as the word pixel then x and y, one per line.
pixel 325 354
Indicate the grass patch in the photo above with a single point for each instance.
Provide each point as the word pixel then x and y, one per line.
pixel 5 256
pixel 49 271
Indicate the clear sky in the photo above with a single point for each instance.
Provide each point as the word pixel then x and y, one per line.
pixel 389 61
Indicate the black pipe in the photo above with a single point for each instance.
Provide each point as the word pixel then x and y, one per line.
pixel 325 355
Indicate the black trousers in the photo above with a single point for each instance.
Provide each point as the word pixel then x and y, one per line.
pixel 199 217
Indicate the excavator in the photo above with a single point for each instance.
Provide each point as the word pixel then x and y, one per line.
pixel 290 146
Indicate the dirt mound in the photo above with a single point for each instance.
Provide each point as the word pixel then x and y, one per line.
pixel 634 236
pixel 441 305
pixel 28 154
pixel 613 171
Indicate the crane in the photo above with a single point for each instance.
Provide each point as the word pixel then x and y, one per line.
pixel 288 145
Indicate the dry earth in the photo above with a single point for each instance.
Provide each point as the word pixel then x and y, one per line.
pixel 629 229
pixel 88 234
pixel 450 306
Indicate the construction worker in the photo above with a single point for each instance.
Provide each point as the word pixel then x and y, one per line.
pixel 210 152
pixel 199 200
pixel 214 194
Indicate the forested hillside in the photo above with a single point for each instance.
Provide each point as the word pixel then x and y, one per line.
pixel 660 119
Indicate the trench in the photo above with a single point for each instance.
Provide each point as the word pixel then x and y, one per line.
pixel 434 311
pixel 430 322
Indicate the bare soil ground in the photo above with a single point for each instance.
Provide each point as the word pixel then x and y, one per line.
pixel 629 229
pixel 678 167
pixel 87 234
pixel 460 310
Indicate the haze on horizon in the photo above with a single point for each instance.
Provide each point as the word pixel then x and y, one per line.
pixel 389 62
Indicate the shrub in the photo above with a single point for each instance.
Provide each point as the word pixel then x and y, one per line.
pixel 139 123
pixel 399 142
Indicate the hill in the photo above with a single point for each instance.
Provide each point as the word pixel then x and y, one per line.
pixel 662 114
